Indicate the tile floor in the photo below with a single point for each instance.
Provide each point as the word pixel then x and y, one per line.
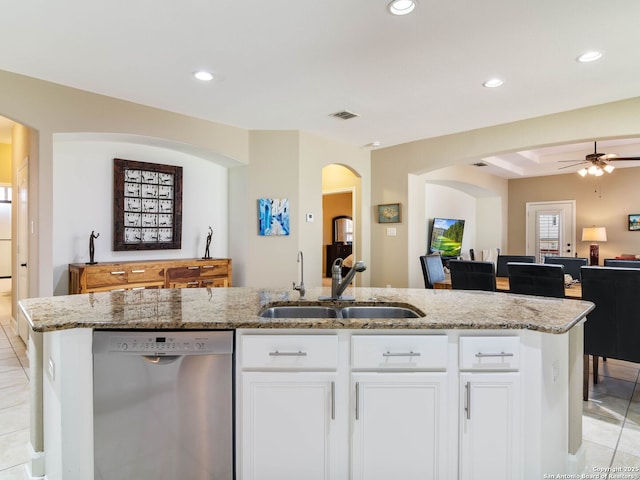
pixel 611 418
pixel 14 397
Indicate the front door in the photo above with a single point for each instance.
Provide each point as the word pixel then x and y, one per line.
pixel 551 229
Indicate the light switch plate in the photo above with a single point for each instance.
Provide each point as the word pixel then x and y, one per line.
pixel 391 232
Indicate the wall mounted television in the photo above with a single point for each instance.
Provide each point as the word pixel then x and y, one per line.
pixel 446 237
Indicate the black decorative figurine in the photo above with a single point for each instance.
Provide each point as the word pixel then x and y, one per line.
pixel 207 255
pixel 92 248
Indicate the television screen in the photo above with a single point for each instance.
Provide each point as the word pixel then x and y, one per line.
pixel 446 237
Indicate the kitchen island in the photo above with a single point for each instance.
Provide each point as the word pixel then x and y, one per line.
pixel 528 386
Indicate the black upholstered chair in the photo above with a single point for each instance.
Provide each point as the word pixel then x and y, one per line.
pixel 432 269
pixel 612 329
pixel 616 262
pixel 501 264
pixel 536 279
pixel 469 275
pixel 571 265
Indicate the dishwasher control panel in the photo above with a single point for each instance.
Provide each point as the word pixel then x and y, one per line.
pixel 163 343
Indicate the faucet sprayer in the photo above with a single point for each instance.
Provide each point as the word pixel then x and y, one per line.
pixel 339 284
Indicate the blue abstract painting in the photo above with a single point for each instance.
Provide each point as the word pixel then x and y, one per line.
pixel 273 216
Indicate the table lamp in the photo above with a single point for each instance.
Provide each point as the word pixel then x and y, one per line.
pixel 594 235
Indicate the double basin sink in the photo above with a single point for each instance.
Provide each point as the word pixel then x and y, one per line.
pixel 354 311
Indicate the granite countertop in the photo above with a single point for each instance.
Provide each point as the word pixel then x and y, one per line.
pixel 239 307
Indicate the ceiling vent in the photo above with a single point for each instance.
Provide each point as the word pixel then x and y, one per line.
pixel 345 115
pixel 481 164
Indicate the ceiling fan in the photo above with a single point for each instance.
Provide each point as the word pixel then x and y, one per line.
pixel 598 162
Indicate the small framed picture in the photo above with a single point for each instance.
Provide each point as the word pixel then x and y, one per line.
pixel 634 222
pixel 389 213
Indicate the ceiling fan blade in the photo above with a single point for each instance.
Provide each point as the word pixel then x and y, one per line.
pixel 573 165
pixel 614 159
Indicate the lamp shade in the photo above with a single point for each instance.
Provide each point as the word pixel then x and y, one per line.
pixel 594 234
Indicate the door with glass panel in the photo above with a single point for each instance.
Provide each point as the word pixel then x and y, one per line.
pixel 551 229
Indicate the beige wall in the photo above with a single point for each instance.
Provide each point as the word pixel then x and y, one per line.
pixel 287 164
pixel 333 205
pixel 394 167
pixel 608 207
pixel 5 163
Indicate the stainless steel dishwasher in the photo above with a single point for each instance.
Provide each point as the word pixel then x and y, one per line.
pixel 163 405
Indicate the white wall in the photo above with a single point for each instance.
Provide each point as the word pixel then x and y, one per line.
pixel 83 201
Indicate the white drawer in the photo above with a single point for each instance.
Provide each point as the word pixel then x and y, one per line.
pixel 289 351
pixel 489 353
pixel 410 352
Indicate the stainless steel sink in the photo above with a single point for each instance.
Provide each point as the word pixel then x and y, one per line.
pixel 294 311
pixel 377 312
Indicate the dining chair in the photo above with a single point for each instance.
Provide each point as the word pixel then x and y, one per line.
pixel 432 269
pixel 536 279
pixel 571 265
pixel 501 263
pixel 470 275
pixel 612 329
pixel 616 262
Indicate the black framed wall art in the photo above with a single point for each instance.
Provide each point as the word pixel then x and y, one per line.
pixel 147 207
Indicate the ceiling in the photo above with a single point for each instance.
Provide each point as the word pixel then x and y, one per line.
pixel 290 65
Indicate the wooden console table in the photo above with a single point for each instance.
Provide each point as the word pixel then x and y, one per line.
pixel 184 273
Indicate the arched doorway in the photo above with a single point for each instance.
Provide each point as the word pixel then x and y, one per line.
pixel 340 196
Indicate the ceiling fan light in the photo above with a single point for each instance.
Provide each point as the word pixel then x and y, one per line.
pixel 582 172
pixel 609 168
pixel 592 170
pixel 599 172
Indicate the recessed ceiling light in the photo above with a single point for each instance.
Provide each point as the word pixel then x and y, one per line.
pixel 203 75
pixel 402 7
pixel 589 57
pixel 493 83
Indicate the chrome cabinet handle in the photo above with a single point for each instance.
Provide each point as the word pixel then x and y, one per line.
pixel 333 400
pixel 357 400
pixel 501 354
pixel 118 273
pixel 137 271
pixel 193 268
pixel 467 406
pixel 207 266
pixel 299 353
pixel 402 354
pixel 194 282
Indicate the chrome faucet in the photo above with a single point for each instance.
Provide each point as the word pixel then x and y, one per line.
pixel 300 287
pixel 339 284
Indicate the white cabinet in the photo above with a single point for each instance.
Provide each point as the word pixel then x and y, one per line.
pixel 400 426
pixel 287 415
pixel 490 409
pixel 288 426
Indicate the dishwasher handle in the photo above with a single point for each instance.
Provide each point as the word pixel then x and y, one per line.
pixel 161 359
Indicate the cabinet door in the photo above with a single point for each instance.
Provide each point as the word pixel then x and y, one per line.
pixel 490 426
pixel 400 426
pixel 288 426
